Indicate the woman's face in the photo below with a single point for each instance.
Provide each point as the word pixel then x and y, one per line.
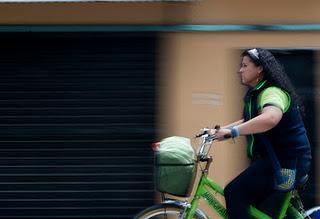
pixel 250 74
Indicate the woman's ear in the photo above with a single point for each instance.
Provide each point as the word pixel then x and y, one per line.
pixel 260 69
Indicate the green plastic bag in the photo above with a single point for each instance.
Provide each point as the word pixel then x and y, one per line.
pixel 175 167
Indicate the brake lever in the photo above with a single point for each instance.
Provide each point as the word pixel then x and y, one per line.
pixel 205 132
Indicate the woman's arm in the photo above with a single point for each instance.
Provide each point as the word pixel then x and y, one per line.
pixel 213 131
pixel 268 119
pixel 233 124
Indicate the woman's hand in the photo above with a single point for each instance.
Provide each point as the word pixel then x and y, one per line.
pixel 222 134
pixel 212 131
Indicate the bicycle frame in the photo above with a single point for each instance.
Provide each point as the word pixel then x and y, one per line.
pixel 208 190
pixel 203 192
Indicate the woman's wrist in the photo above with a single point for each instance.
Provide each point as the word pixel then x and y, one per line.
pixel 234 132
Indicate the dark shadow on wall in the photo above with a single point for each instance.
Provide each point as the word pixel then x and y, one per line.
pixel 300 65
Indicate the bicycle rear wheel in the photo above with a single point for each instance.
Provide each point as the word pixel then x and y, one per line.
pixel 165 211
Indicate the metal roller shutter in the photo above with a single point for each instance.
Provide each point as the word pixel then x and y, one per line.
pixel 76 121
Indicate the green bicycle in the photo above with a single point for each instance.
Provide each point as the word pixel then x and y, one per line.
pixel 208 190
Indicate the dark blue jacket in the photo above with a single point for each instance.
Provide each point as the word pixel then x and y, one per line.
pixel 288 137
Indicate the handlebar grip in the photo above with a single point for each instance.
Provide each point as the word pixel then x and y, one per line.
pixel 201 134
pixel 227 136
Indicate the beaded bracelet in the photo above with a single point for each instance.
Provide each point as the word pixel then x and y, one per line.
pixel 235 132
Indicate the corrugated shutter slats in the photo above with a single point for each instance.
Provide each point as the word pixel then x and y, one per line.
pixel 76 121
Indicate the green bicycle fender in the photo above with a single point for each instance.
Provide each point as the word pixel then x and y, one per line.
pixel 294 212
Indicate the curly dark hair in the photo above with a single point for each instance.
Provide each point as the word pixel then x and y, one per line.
pixel 274 72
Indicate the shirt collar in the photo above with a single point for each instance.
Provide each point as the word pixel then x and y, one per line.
pixel 260 85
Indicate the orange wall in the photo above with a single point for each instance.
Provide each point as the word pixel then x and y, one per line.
pixel 193 12
pixel 207 63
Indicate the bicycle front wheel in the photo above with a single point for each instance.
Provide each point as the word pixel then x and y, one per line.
pixel 164 211
pixel 313 213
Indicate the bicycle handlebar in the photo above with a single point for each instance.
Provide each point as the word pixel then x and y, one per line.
pixel 206 141
pixel 204 132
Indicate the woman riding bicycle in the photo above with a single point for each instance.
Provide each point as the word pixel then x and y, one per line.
pixel 277 140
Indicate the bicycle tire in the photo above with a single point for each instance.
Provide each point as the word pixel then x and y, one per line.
pixel 166 210
pixel 313 213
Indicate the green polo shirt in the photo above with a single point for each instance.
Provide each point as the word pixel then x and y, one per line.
pixel 274 96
